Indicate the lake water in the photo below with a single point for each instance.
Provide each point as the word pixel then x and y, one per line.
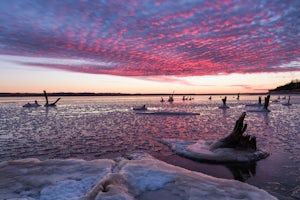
pixel 107 127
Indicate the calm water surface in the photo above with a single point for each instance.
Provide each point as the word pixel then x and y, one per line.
pixel 106 127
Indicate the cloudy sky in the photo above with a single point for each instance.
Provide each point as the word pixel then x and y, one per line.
pixel 148 46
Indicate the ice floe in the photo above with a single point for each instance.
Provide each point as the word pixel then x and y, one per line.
pixel 140 176
pixel 201 150
pixel 236 147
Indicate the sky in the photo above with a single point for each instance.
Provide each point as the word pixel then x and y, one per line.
pixel 131 46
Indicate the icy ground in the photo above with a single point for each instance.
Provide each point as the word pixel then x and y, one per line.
pixel 139 176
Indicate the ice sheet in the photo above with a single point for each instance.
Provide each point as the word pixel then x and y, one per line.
pixel 107 127
pixel 140 177
pixel 50 179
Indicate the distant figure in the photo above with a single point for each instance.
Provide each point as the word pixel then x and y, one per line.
pixel 162 100
pixel 47 103
pixel 183 98
pixel 209 98
pixel 238 96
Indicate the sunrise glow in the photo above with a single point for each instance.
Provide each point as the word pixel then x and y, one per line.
pixel 148 46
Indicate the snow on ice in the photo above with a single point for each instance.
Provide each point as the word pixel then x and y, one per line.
pixel 139 176
pixel 200 150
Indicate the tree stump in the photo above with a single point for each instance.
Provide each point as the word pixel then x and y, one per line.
pixel 47 104
pixel 236 139
pixel 267 100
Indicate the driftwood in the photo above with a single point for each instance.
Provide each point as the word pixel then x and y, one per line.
pixel 288 103
pixel 224 101
pixel 236 139
pixel 259 100
pixel 224 106
pixel 50 104
pixel 267 100
pixel 35 104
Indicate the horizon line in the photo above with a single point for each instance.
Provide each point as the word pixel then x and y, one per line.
pixel 24 94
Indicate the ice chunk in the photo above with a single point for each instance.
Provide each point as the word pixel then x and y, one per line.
pixel 200 150
pixel 154 179
pixel 141 177
pixel 50 179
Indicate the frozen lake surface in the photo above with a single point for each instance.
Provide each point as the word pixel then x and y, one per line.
pixel 107 127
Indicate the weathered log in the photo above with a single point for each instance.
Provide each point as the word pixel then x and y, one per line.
pixel 267 100
pixel 236 139
pixel 47 104
pixel 259 100
pixel 224 101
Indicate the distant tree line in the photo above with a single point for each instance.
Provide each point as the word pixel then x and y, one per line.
pixel 293 86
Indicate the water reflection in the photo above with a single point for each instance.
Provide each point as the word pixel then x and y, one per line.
pixel 266 118
pixel 98 127
pixel 47 109
pixel 238 171
pixel 242 171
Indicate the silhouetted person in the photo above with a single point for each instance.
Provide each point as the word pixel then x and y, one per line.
pixel 259 100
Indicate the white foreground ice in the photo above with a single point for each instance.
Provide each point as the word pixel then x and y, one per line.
pixel 200 150
pixel 139 177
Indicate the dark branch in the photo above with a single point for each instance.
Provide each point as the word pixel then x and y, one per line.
pixel 236 139
pixel 47 103
pixel 267 100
